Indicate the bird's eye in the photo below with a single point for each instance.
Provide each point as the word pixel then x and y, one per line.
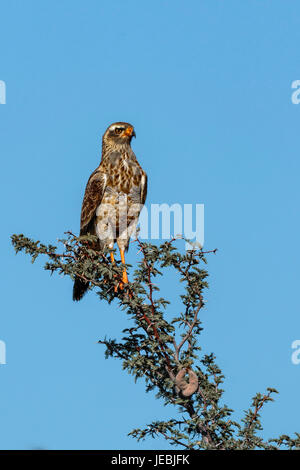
pixel 118 130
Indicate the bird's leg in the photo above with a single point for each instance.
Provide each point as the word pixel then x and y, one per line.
pixel 125 277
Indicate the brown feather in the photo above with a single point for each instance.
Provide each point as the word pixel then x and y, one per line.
pixel 92 198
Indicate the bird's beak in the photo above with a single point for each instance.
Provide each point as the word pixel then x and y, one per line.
pixel 129 132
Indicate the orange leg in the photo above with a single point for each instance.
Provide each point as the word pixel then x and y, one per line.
pixel 125 277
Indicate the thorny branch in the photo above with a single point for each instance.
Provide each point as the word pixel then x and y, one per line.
pixel 149 348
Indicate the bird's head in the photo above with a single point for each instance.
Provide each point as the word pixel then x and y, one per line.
pixel 118 133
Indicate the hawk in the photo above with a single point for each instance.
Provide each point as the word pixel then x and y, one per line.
pixel 114 196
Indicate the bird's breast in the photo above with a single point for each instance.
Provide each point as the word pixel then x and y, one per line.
pixel 124 178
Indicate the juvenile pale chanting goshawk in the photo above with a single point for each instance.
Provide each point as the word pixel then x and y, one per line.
pixel 114 196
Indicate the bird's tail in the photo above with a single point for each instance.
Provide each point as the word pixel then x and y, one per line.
pixel 79 289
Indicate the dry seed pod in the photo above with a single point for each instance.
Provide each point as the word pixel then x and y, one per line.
pixel 186 388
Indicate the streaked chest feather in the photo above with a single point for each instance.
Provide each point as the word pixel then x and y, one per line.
pixel 124 175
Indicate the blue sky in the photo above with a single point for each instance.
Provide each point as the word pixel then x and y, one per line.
pixel 207 85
